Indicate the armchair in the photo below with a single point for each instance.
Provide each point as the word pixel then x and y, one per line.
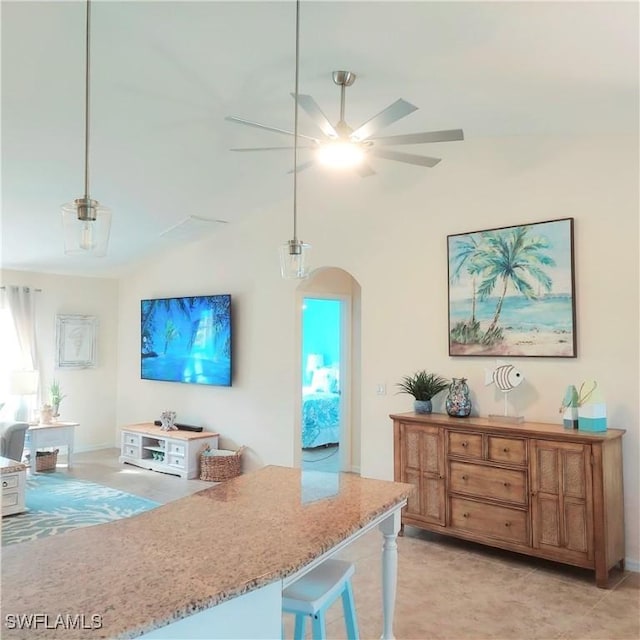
pixel 12 436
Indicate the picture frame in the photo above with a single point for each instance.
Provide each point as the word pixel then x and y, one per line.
pixel 76 341
pixel 511 291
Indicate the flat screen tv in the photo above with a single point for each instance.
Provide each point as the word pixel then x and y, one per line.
pixel 186 339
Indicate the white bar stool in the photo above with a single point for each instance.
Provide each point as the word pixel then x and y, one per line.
pixel 312 594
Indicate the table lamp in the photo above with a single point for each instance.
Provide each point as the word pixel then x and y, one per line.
pixel 24 383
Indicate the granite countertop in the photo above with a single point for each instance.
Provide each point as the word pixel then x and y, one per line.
pixel 10 466
pixel 144 572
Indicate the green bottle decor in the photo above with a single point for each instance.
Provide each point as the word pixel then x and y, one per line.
pixel 569 408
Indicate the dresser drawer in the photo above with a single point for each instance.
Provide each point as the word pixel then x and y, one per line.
pixel 131 452
pixel 502 523
pixel 488 482
pixel 10 481
pixel 131 438
pixel 177 461
pixel 177 448
pixel 511 450
pixel 10 498
pixel 465 444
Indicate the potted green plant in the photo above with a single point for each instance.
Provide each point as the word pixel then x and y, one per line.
pixel 56 396
pixel 423 386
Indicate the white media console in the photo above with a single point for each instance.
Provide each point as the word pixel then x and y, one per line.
pixel 175 452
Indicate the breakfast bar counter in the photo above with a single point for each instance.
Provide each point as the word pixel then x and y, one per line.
pixel 181 562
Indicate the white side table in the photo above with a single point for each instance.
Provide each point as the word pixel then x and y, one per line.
pixel 51 435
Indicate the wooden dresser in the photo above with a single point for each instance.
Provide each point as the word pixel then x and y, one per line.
pixel 534 488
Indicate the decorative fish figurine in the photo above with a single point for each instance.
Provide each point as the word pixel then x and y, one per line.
pixel 505 376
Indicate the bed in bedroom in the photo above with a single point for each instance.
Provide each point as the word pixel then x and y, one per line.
pixel 321 409
pixel 320 419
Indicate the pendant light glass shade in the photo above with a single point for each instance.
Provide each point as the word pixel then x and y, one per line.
pixel 86 226
pixel 86 223
pixel 293 256
pixel 293 253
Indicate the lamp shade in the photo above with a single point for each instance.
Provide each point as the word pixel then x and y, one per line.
pixel 292 260
pixel 86 225
pixel 23 383
pixel 314 361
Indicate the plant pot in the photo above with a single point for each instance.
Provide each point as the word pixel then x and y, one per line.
pixel 422 406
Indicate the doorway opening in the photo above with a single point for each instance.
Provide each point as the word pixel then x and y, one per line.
pixel 322 398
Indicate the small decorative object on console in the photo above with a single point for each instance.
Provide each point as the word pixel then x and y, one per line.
pixel 46 414
pixel 458 402
pixel 506 378
pixel 422 386
pixel 168 420
pixel 592 410
pixel 569 408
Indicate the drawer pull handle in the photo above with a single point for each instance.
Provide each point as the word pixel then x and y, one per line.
pixel 465 444
pixel 465 515
pixel 506 484
pixel 5 484
pixel 507 524
pixel 465 478
pixel 506 449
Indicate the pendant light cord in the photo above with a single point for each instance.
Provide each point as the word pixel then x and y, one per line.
pixel 86 105
pixel 295 128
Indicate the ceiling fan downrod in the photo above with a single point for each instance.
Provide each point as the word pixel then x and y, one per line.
pixel 343 79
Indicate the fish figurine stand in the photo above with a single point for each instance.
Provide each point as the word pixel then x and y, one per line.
pixel 506 378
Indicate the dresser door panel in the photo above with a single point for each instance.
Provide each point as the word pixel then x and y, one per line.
pixel 562 517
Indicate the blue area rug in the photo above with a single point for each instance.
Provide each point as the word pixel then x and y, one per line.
pixel 57 502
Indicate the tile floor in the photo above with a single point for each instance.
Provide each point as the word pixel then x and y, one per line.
pixel 447 589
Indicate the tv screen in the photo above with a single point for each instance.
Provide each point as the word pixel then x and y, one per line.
pixel 186 339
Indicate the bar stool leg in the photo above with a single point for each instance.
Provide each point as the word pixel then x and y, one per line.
pixel 319 626
pixel 349 607
pixel 298 633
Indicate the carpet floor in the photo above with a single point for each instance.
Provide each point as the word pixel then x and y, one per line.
pixel 57 502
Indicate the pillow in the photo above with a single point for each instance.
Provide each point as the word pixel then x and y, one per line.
pixel 321 382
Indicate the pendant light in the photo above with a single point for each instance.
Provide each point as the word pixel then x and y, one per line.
pixel 85 222
pixel 293 252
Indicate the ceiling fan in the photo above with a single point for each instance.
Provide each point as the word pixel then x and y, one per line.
pixel 341 145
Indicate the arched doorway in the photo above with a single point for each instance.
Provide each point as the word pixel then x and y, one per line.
pixel 328 421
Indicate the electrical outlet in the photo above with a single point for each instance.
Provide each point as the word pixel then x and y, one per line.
pixel 381 389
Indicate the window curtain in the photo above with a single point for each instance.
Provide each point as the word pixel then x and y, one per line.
pixel 21 302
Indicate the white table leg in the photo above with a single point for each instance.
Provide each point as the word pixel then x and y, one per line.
pixel 389 529
pixel 69 449
pixel 33 442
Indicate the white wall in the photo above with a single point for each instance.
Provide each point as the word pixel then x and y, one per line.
pixel 90 393
pixel 389 231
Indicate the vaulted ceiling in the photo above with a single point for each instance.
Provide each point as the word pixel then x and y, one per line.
pixel 165 74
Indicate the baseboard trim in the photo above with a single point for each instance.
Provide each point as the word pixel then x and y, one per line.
pixel 632 565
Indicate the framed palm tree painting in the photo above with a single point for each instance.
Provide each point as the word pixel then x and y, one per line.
pixel 512 291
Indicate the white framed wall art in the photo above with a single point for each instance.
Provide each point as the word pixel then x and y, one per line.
pixel 76 341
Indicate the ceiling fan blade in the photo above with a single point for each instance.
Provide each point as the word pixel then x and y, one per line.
pixel 267 148
pixel 312 108
pixel 410 158
pixel 364 170
pixel 264 126
pixel 399 109
pixel 418 138
pixel 303 166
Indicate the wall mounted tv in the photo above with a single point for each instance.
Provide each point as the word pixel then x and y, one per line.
pixel 186 339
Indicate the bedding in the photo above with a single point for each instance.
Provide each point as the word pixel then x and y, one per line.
pixel 320 419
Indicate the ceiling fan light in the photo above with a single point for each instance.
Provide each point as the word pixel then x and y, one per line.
pixel 86 226
pixel 340 155
pixel 293 255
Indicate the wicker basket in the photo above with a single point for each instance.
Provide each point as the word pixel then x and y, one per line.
pixel 46 460
pixel 217 465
